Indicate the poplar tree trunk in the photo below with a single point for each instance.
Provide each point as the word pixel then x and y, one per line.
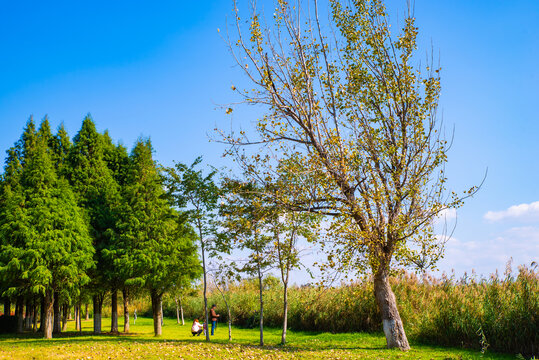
pixel 97 304
pixel 125 295
pixel 48 314
pixel 7 306
pixel 56 310
pixel 228 312
pixel 229 323
pixel 114 312
pixel 19 313
pixel 205 287
pixel 65 308
pixel 261 307
pixel 157 312
pixel 87 313
pixel 181 311
pixel 285 313
pixel 177 311
pixel 392 323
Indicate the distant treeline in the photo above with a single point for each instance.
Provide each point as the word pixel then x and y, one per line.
pixel 500 314
pixel 82 219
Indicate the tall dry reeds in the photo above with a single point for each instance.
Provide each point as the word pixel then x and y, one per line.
pixel 499 312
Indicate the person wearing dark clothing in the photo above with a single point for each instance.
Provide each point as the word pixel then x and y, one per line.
pixel 214 316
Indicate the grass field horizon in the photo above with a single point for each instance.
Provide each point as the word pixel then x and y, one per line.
pixel 177 342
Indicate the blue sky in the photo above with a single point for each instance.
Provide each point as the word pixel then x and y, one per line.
pixel 161 69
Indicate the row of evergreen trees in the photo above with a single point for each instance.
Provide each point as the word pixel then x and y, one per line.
pixel 86 219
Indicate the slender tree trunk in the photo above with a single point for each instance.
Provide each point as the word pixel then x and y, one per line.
pixel 57 325
pixel 205 287
pixel 392 323
pixel 42 315
pixel 86 313
pixel 76 315
pixel 162 315
pixel 79 306
pixel 125 295
pixel 97 304
pixel 114 312
pixel 28 314
pixel 48 314
pixel 228 312
pixel 177 310
pixel 181 311
pixel 285 312
pixel 157 313
pixel 34 318
pixel 19 312
pixel 7 306
pixel 260 287
pixel 65 309
pixel 229 323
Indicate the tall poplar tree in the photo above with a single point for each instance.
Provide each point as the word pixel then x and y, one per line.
pixel 347 105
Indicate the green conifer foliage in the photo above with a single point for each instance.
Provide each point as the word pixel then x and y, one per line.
pixel 150 229
pixel 60 145
pixel 98 194
pixel 49 248
pixel 11 225
pixel 13 283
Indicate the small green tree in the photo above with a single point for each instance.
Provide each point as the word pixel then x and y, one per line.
pixel 287 227
pixel 189 188
pixel 246 216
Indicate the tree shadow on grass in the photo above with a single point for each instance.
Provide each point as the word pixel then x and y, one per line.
pixel 78 337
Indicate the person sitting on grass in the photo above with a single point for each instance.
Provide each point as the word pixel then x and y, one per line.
pixel 196 329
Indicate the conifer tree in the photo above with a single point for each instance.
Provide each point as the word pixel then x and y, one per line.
pixel 50 248
pixel 98 194
pixel 150 228
pixel 11 206
pixel 60 145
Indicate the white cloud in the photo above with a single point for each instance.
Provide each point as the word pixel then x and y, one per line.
pixel 485 256
pixel 524 212
pixel 446 215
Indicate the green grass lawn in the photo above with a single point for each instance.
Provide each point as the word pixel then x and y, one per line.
pixel 178 343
